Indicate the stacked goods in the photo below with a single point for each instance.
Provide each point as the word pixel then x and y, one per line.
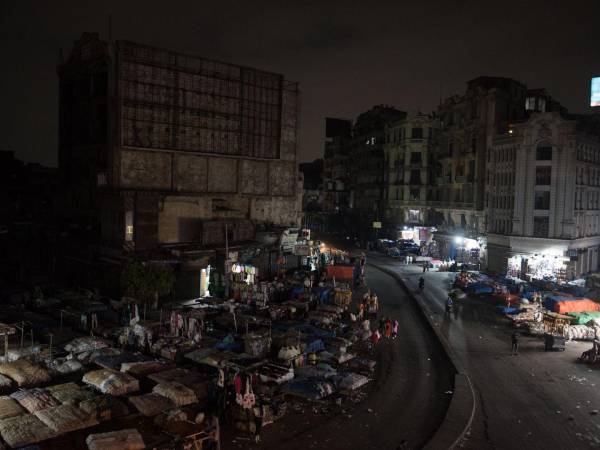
pixel 86 344
pixel 19 431
pixel 5 382
pixel 110 382
pixel 25 373
pixel 34 399
pixel 105 408
pixel 146 367
pixel 70 393
pixel 179 375
pixel 151 404
pixel 480 288
pixel 580 332
pixel 343 297
pixel 65 366
pixel 340 272
pixel 578 305
pixel 66 418
pixel 176 392
pixel 352 381
pixel 310 388
pixel 129 439
pixel 10 408
pixel 582 318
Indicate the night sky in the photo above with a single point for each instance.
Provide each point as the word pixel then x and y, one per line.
pixel 346 55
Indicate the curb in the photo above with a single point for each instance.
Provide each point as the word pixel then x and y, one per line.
pixel 461 411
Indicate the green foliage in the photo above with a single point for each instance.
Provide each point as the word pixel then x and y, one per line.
pixel 142 281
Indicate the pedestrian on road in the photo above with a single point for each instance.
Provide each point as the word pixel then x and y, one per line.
pixel 361 310
pixel 388 329
pixel 424 268
pixel 375 336
pixel 515 343
pixel 258 422
pixel 395 329
pixel 382 325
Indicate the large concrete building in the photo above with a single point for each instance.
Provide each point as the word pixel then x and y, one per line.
pixel 161 149
pixel 544 196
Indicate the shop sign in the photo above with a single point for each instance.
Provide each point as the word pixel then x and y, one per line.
pixel 301 250
pixel 376 224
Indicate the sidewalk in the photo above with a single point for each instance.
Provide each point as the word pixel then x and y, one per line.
pixel 533 400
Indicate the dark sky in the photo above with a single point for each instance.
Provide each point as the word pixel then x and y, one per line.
pixel 346 55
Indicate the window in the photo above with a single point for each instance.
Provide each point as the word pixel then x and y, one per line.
pixel 543 175
pixel 129 226
pixel 542 199
pixel 415 176
pixel 543 153
pixel 471 174
pixel 541 227
pixel 413 215
pixel 415 158
pixel 473 144
pixel 398 194
pixel 414 194
pixel 530 103
pixel 450 148
pixel 417 133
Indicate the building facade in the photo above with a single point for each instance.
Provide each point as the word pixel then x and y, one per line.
pixel 409 147
pixel 161 149
pixel 336 170
pixel 366 162
pixel 468 124
pixel 544 198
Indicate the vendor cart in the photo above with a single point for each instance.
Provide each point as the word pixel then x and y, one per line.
pixel 554 342
pixel 555 323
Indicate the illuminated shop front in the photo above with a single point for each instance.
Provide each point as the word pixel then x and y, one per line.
pixel 539 266
pixel 420 235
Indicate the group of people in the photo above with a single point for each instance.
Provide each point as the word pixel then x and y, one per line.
pixel 368 304
pixel 388 328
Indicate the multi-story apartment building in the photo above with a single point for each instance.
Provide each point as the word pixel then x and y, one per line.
pixel 409 147
pixel 544 195
pixel 162 150
pixel 468 123
pixel 367 165
pixel 336 171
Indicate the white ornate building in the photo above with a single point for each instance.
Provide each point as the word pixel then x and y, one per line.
pixel 543 197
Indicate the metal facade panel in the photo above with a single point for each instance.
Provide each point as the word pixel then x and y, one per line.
pixel 173 101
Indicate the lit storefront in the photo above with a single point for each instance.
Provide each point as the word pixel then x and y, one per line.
pixel 421 235
pixel 539 267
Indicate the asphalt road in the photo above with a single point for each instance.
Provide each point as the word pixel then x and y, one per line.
pixel 407 400
pixel 535 400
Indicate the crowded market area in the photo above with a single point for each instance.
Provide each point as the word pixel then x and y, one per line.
pixel 119 374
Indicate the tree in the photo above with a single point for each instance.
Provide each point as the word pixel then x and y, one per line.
pixel 147 282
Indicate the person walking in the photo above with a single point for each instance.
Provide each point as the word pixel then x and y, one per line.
pixel 258 422
pixel 388 329
pixel 375 336
pixel 395 329
pixel 515 343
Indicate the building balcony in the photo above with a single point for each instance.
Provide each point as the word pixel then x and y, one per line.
pixel 451 204
pixel 460 179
